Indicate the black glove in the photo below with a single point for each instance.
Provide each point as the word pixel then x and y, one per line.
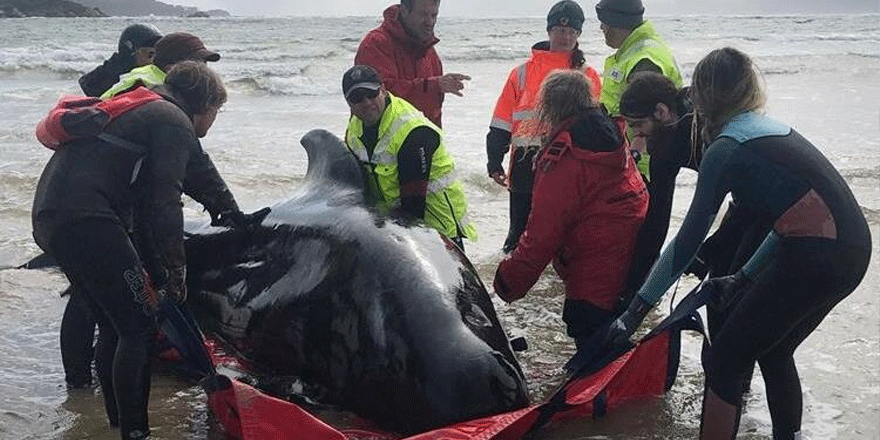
pixel 727 290
pixel 698 268
pixel 236 219
pixel 626 324
pixel 122 61
pixel 174 287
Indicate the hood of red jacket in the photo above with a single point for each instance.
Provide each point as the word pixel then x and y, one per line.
pixel 594 137
pixel 395 28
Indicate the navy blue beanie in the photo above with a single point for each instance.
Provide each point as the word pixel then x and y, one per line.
pixel 566 13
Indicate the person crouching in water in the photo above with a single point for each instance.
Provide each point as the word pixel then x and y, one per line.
pixel 83 202
pixel 408 171
pixel 815 255
pixel 588 204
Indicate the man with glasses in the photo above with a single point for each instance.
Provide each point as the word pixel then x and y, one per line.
pixel 408 171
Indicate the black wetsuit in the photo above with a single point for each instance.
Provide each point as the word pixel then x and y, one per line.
pixel 670 151
pixel 816 255
pixel 101 78
pixel 78 324
pixel 90 196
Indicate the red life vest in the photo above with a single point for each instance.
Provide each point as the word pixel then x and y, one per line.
pixel 78 117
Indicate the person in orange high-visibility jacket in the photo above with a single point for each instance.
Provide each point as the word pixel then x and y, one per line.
pixel 513 119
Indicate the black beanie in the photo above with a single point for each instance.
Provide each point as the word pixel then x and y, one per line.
pixel 566 13
pixel 621 14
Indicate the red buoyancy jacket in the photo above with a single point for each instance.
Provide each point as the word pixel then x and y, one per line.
pixel 75 117
pixel 90 179
pixel 409 69
pixel 588 204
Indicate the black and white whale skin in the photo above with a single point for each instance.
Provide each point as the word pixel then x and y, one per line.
pixel 389 321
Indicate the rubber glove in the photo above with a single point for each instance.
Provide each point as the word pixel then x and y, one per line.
pixel 626 324
pixel 728 290
pixel 237 219
pixel 175 285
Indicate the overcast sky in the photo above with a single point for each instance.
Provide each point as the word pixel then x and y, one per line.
pixel 517 8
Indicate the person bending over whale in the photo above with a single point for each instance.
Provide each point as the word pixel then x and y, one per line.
pixel 588 203
pixel 82 209
pixel 662 113
pixel 815 255
pixel 408 171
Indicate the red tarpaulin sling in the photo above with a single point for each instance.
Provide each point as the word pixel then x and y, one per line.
pixel 248 414
pixel 648 369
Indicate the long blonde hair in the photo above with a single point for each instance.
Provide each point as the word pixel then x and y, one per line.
pixel 564 93
pixel 725 83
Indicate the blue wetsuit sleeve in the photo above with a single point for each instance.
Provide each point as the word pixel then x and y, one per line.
pixel 708 196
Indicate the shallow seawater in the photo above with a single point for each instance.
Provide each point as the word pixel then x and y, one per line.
pixel 822 75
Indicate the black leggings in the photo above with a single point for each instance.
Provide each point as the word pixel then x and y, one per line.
pixel 582 319
pixel 77 338
pixel 104 268
pixel 775 313
pixel 522 178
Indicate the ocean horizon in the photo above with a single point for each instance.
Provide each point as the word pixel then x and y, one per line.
pixel 283 74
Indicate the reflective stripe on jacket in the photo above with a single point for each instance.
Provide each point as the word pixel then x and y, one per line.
pixel 642 43
pixel 515 108
pixel 148 75
pixel 445 203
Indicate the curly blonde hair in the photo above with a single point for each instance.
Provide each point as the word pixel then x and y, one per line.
pixel 564 93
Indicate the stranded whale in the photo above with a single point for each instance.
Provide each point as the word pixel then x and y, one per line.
pixel 387 320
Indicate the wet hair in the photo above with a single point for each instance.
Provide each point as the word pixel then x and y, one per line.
pixel 577 59
pixel 564 93
pixel 725 83
pixel 645 90
pixel 200 87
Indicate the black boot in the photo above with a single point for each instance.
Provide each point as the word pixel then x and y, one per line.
pixel 520 206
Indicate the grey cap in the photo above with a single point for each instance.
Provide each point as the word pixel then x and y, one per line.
pixel 621 14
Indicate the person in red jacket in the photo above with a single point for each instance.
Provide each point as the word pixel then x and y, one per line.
pixel 588 204
pixel 402 51
pixel 514 111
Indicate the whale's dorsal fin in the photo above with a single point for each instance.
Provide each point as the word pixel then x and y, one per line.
pixel 330 159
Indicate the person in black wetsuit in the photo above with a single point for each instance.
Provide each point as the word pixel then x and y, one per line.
pixel 135 49
pixel 92 193
pixel 657 110
pixel 816 253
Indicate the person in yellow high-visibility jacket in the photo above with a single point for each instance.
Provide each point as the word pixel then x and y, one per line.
pixel 408 171
pixel 639 48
